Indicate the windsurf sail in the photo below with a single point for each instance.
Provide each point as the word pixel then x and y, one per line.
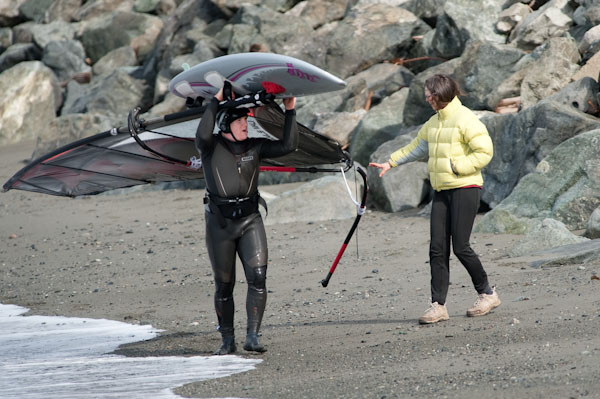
pixel 160 150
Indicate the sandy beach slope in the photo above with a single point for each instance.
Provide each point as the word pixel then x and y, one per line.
pixel 140 258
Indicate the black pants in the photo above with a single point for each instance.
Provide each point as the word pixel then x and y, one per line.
pixel 246 238
pixel 452 215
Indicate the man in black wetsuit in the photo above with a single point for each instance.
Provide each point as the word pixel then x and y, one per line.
pixel 230 161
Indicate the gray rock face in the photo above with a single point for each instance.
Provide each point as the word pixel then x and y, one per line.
pixel 458 25
pixel 545 234
pixel 593 226
pixel 65 58
pixel 20 52
pixel 139 31
pixel 113 95
pixel 522 140
pixel 329 192
pixel 551 20
pixel 30 98
pixel 565 186
pixel 382 123
pixel 484 66
pixel 68 128
pixel 404 187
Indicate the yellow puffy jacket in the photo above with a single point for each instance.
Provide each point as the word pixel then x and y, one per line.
pixel 457 143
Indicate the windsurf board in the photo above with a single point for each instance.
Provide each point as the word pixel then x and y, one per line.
pixel 285 76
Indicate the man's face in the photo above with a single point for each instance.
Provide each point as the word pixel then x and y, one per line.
pixel 239 128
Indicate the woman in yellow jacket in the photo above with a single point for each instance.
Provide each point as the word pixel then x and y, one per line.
pixel 458 146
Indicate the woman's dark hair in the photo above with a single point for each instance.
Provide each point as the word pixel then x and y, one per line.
pixel 442 88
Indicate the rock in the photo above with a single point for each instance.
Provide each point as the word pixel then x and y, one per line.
pixel 9 12
pixel 510 17
pixel 42 34
pixel 539 26
pixel 64 10
pixel 388 30
pixel 6 39
pixel 572 254
pixel 551 72
pixel 523 139
pixel 328 192
pixel 381 124
pixel 590 69
pixel 457 26
pixel 97 8
pixel 139 31
pixel 112 95
pixel 581 95
pixel 67 129
pixel 66 58
pixel 384 79
pixel 338 125
pixel 35 10
pixel 404 187
pixel 590 44
pixel 170 104
pixel 30 97
pixel 17 53
pixel 319 12
pixel 120 57
pixel 565 186
pixel 544 234
pixel 593 226
pixel 483 67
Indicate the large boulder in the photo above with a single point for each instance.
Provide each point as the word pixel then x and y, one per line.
pixel 593 226
pixel 112 95
pixel 139 31
pixel 458 25
pixel 544 234
pixel 484 66
pixel 66 58
pixel 67 129
pixel 382 123
pixel 552 71
pixel 340 47
pixel 329 192
pixel 565 186
pixel 19 52
pixel 404 187
pixel 318 12
pixel 9 12
pixel 30 97
pixel 257 24
pixel 551 20
pixel 522 140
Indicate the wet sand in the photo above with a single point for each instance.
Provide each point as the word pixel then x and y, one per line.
pixel 140 258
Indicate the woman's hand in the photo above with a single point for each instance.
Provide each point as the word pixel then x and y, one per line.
pixel 219 95
pixel 383 166
pixel 289 103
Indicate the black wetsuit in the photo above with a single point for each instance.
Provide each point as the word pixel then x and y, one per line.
pixel 233 222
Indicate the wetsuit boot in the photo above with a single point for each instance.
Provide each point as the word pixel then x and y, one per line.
pixel 255 307
pixel 227 345
pixel 225 309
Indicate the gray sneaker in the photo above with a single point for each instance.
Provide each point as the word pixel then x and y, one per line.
pixel 484 304
pixel 435 313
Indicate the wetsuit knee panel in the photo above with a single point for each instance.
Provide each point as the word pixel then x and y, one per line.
pixel 223 290
pixel 257 277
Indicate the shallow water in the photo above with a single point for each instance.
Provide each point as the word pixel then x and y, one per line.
pixel 66 357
